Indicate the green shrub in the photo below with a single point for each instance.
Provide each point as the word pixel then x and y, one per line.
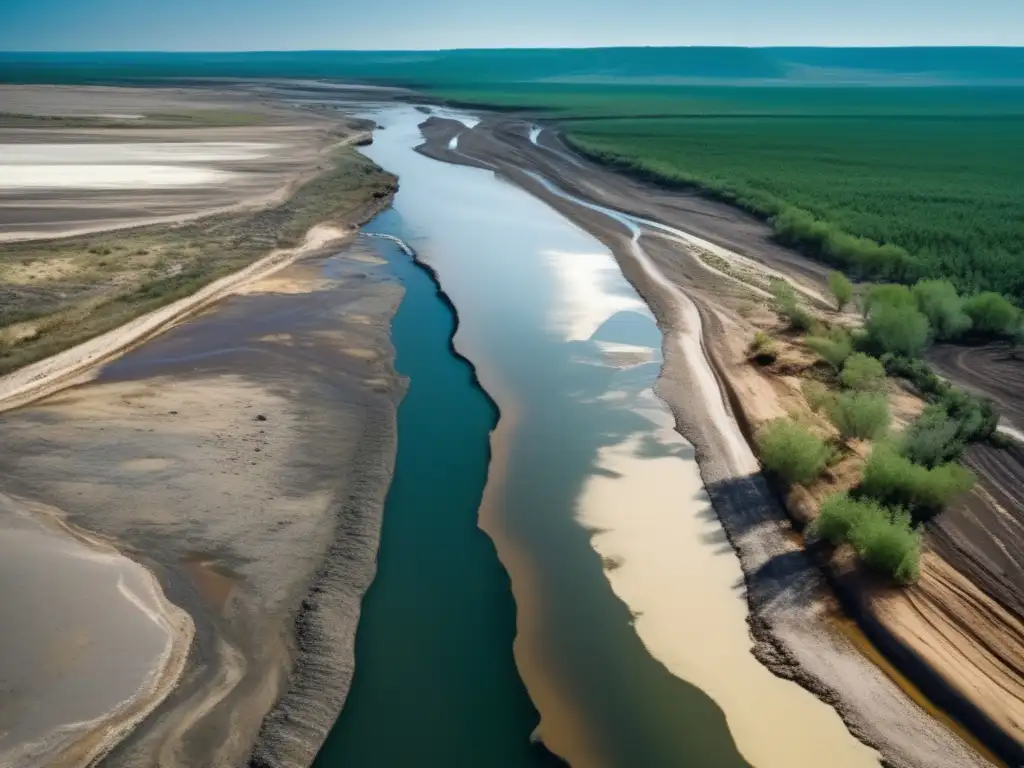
pixel 941 304
pixel 898 330
pixel 763 349
pixel 834 347
pixel 992 314
pixel 884 539
pixel 933 438
pixel 837 515
pixel 887 294
pixel 888 544
pixel 864 415
pixel 816 394
pixel 792 451
pixel 789 306
pixel 894 479
pixel 863 372
pixel 841 289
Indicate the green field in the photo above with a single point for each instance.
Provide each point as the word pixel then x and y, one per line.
pixel 945 190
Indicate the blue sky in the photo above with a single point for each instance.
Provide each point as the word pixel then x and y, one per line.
pixel 404 24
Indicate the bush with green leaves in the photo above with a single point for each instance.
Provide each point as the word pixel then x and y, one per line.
pixel 883 538
pixel 789 305
pixel 833 347
pixel 792 451
pixel 898 330
pixel 840 288
pixel 992 314
pixel 933 438
pixel 863 373
pixel 892 478
pixel 887 294
pixel 862 415
pixel 939 301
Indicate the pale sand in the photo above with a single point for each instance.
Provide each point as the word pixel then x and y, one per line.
pixel 72 366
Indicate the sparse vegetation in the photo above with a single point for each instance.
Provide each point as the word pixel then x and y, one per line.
pixel 87 293
pixel 863 373
pixel 834 347
pixel 861 415
pixel 841 289
pixel 789 306
pixel 763 349
pixel 792 451
pixel 883 538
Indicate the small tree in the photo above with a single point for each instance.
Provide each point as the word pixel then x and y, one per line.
pixel 862 415
pixel 841 288
pixel 792 451
pixel 833 348
pixel 899 330
pixel 863 373
pixel 991 313
pixel 941 304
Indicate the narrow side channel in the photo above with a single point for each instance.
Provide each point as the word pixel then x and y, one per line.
pixel 435 683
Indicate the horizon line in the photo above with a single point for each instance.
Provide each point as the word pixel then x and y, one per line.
pixel 964 46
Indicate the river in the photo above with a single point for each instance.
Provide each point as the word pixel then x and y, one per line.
pixel 592 499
